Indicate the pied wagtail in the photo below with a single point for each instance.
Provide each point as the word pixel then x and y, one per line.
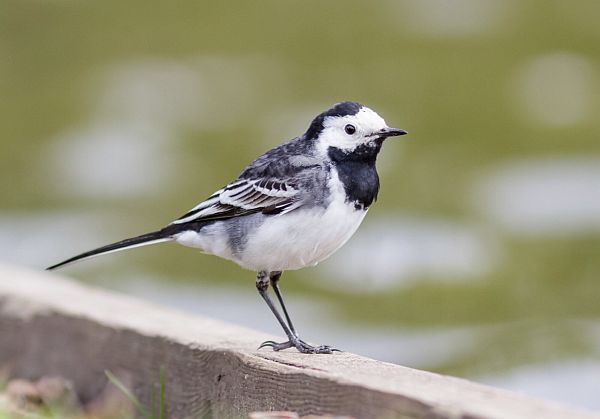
pixel 292 207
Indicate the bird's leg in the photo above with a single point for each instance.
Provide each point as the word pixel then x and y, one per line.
pixel 262 284
pixel 275 276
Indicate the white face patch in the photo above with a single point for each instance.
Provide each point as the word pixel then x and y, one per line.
pixel 366 122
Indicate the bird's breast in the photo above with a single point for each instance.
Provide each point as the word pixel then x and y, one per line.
pixel 300 238
pixel 305 236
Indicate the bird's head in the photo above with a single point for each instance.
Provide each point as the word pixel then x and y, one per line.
pixel 348 126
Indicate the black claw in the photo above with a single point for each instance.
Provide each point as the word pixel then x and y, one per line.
pixel 300 345
pixel 267 343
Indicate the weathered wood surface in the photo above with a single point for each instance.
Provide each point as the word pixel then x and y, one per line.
pixel 54 326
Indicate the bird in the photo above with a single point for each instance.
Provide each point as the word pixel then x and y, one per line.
pixel 291 208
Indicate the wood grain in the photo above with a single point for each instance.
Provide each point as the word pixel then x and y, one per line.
pixel 53 326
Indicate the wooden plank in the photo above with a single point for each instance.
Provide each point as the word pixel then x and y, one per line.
pixel 53 326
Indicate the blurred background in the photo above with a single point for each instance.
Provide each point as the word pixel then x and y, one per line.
pixel 481 258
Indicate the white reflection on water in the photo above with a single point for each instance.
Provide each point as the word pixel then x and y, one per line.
pixel 126 148
pixel 41 239
pixel 394 251
pixel 575 382
pixel 457 18
pixel 110 161
pixel 547 196
pixel 150 92
pixel 129 145
pixel 556 89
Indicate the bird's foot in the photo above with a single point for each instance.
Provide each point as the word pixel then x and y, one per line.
pixel 300 345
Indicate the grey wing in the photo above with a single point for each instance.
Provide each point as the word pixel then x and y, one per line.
pixel 246 196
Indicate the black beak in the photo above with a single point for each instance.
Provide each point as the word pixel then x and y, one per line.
pixel 390 132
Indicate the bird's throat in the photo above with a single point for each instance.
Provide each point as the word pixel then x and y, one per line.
pixel 357 172
pixel 366 153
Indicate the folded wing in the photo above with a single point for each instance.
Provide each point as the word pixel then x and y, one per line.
pixel 245 196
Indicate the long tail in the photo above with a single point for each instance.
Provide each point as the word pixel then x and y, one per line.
pixel 143 240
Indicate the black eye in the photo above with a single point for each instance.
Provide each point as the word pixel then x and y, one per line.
pixel 350 129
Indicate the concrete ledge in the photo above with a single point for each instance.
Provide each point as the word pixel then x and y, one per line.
pixel 53 326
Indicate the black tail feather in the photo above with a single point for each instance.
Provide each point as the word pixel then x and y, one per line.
pixel 144 239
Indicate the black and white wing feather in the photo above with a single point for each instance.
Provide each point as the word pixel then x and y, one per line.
pixel 245 196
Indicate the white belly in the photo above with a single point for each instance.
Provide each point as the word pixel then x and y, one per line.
pixel 301 238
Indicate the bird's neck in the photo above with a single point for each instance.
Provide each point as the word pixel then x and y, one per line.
pixel 364 153
pixel 357 172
